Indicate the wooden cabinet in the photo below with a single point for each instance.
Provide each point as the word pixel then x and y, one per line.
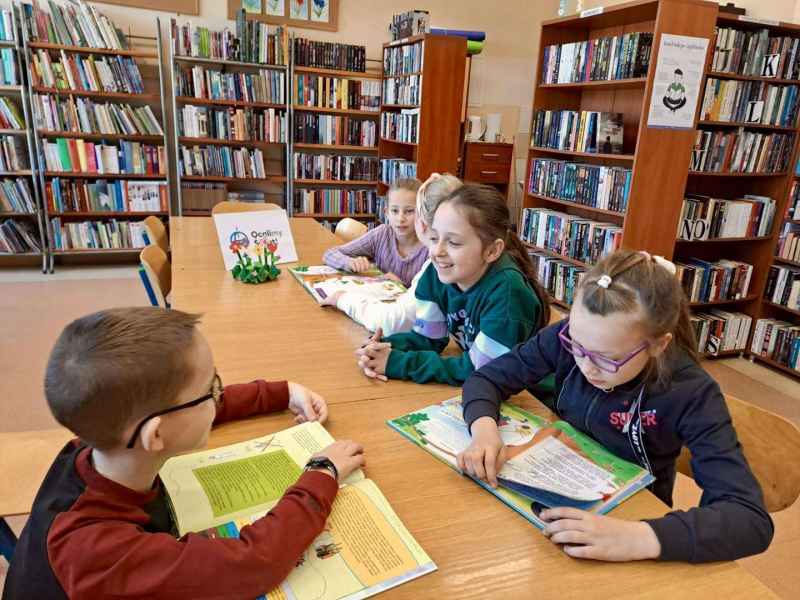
pixel 488 163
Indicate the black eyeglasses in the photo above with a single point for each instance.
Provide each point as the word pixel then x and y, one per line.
pixel 215 392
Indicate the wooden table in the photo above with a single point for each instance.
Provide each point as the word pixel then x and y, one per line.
pixel 482 548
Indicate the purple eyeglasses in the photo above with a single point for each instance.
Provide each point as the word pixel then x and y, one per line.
pixel 601 362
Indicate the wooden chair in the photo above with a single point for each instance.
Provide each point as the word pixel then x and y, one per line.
pixel 349 229
pixel 156 232
pixel 156 273
pixel 229 206
pixel 771 445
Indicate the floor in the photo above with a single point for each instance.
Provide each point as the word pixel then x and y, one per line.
pixel 36 307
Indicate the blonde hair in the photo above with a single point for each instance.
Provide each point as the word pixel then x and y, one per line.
pixel 629 282
pixel 408 184
pixel 432 193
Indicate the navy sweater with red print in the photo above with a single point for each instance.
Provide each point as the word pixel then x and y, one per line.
pixel 91 538
pixel 731 521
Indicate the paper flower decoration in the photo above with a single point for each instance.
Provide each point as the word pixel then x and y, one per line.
pixel 260 270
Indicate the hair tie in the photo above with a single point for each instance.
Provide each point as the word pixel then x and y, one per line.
pixel 604 281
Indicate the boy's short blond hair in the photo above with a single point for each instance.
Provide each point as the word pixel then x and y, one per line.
pixel 408 184
pixel 436 190
pixel 114 366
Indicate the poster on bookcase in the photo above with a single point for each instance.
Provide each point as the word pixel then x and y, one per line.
pixel 247 231
pixel 677 80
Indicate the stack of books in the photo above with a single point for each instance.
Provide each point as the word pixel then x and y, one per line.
pixel 570 236
pixel 18 237
pixel 13 154
pixel 393 169
pixel 334 202
pixel 741 151
pixel 783 286
pixel 750 102
pixel 328 55
pixel 705 281
pixel 78 156
pixel 584 131
pixel 53 113
pixel 618 57
pixel 336 92
pixel 15 196
pixel 266 86
pixel 402 60
pixel 402 90
pixel 222 161
pixel 72 24
pixel 560 279
pixel 265 125
pixel 63 195
pixel 706 218
pixel 311 128
pixel 720 331
pixel 756 53
pixel 401 126
pixel 778 341
pixel 117 74
pixel 597 186
pixel 335 167
pixel 96 235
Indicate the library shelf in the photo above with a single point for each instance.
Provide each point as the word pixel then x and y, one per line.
pixel 21 173
pixel 558 303
pixel 221 178
pixel 401 75
pixel 11 88
pixel 724 353
pixel 128 97
pixel 747 125
pixel 13 132
pixel 786 261
pixel 338 111
pixel 137 137
pixel 224 62
pixel 17 215
pixel 398 106
pixel 219 142
pixel 606 84
pixel 338 147
pixel 10 254
pixel 781 307
pixel 85 175
pixel 412 39
pixel 762 238
pixel 568 259
pixel 599 211
pixel 625 157
pixel 8 43
pixel 108 214
pixel 729 301
pixel 725 75
pixel 356 182
pixel 391 141
pixel 729 174
pixel 334 215
pixel 338 73
pixel 87 50
pixel 223 102
pixel 775 364
pixel 91 251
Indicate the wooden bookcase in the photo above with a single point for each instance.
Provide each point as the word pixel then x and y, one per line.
pixel 328 149
pixel 659 158
pixel 440 106
pixel 19 95
pixel 277 155
pixel 146 51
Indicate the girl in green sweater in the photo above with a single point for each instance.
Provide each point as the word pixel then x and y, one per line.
pixel 480 288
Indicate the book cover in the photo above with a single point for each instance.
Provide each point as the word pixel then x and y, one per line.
pixel 550 464
pixel 321 281
pixel 609 133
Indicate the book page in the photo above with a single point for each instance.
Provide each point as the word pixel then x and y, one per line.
pixel 214 486
pixel 322 281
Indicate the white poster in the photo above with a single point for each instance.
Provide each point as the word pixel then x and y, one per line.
pixel 247 231
pixel 676 86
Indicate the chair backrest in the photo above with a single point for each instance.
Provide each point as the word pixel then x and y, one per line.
pixel 158 272
pixel 349 229
pixel 771 445
pixel 156 232
pixel 229 206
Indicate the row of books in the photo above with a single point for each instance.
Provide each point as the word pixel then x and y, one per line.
pixel 783 286
pixel 321 91
pixel 8 67
pixel 15 196
pixel 10 115
pixel 741 151
pixel 94 235
pixel 705 281
pixel 402 60
pixel 53 113
pixel 252 41
pixel 7 26
pixel 72 24
pixel 267 85
pixel 756 53
pixel 222 161
pixel 393 169
pixel 13 153
pixel 561 279
pixel 720 331
pixel 335 167
pixel 88 73
pixel 101 195
pixel 793 207
pixel 402 90
pixel 574 237
pixel 750 102
pixel 19 237
pixel 311 128
pixel 616 57
pixel 578 131
pixel 706 218
pixel 78 156
pixel 789 243
pixel 597 186
pixel 778 341
pixel 401 126
pixel 335 201
pixel 329 55
pixel 263 125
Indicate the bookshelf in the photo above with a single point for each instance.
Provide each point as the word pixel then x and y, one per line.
pixel 423 75
pixel 75 125
pixel 241 144
pixel 312 88
pixel 650 154
pixel 31 219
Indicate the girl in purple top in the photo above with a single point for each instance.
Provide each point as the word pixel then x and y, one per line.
pixel 393 247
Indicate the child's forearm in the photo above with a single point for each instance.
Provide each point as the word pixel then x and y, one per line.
pixel 244 400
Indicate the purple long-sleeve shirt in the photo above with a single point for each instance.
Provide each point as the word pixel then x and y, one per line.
pixel 380 246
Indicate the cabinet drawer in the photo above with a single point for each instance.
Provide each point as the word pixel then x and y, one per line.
pixel 487 173
pixel 488 154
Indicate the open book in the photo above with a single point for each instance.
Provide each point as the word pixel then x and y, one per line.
pixel 364 549
pixel 550 464
pixel 322 281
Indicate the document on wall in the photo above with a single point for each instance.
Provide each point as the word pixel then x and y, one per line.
pixel 677 80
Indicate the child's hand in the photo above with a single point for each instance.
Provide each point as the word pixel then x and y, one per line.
pixel 393 277
pixel 307 405
pixel 358 264
pixel 374 356
pixel 347 455
pixel 332 299
pixel 486 454
pixel 601 538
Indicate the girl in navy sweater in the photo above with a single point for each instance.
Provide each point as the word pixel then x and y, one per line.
pixel 625 363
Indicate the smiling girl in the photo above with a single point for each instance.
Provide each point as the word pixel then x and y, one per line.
pixel 394 247
pixel 480 289
pixel 626 367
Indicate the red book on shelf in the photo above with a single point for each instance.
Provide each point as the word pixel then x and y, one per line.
pixel 91 157
pixel 72 146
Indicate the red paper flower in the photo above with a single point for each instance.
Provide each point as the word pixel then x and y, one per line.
pixel 235 246
pixel 272 246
